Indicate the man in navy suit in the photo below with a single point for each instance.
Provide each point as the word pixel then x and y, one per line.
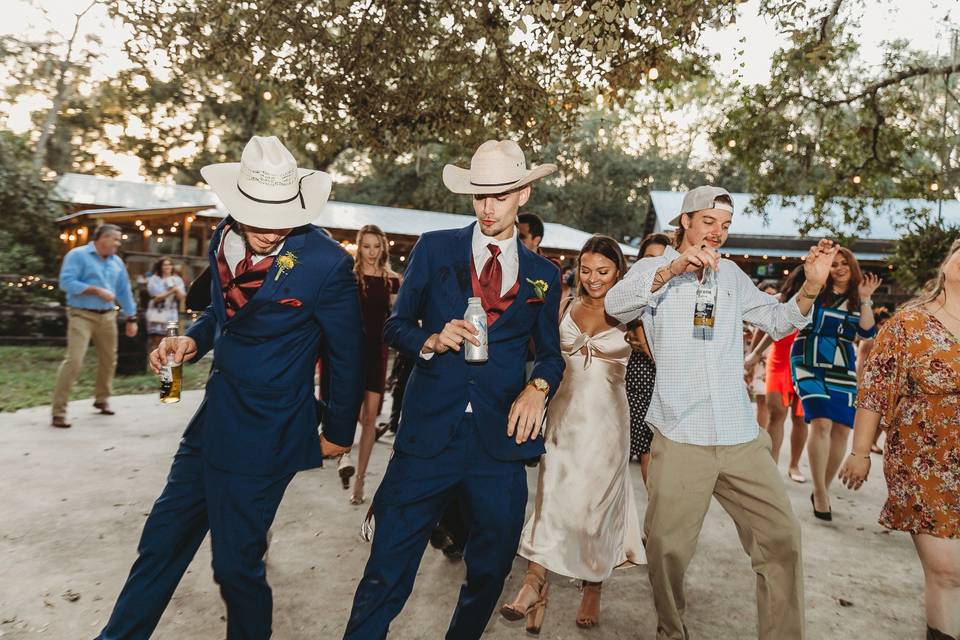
pixel 279 288
pixel 466 429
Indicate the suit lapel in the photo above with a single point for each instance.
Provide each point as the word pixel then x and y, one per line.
pixel 457 286
pixel 216 288
pixel 292 244
pixel 525 290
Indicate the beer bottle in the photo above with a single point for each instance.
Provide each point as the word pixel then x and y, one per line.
pixel 705 309
pixel 171 375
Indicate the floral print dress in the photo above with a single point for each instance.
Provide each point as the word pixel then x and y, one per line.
pixel 912 379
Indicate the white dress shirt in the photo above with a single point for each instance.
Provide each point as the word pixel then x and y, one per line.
pixel 509 256
pixel 699 396
pixel 235 250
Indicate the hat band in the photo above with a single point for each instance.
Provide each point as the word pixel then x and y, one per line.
pixel 298 194
pixel 494 184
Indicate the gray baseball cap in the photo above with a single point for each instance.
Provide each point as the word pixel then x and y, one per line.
pixel 702 198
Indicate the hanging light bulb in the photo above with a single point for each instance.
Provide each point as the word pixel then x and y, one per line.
pixel 856 179
pixel 731 143
pixel 653 74
pixel 934 186
pixel 789 147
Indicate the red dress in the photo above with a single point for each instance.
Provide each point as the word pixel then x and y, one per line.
pixel 375 307
pixel 779 378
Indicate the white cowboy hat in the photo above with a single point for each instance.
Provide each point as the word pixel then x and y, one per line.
pixel 266 189
pixel 498 166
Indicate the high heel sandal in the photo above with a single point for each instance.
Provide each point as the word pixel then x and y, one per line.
pixel 356 496
pixel 534 612
pixel 589 614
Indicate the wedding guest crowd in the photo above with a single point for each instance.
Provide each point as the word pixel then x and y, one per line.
pixel 583 372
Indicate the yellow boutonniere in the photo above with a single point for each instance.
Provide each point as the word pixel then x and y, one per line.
pixel 540 287
pixel 285 262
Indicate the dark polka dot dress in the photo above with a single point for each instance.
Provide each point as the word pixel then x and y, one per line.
pixel 641 374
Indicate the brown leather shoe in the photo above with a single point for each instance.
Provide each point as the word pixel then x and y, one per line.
pixel 104 408
pixel 60 422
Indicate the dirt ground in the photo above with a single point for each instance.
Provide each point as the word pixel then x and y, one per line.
pixel 74 501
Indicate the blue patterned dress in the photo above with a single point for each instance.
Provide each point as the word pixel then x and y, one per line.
pixel 824 363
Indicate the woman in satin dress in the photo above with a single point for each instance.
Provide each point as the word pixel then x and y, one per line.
pixel 584 522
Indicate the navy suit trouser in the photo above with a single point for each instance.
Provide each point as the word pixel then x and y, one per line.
pixel 237 510
pixel 411 498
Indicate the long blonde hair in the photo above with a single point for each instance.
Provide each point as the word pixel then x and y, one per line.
pixel 383 261
pixel 935 286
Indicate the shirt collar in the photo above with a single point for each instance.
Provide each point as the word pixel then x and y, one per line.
pixel 481 241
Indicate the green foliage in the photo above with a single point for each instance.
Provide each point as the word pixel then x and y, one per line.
pixel 28 237
pixel 601 185
pixel 388 78
pixel 918 254
pixel 830 126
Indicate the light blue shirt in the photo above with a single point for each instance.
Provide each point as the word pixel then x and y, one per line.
pixel 83 267
pixel 699 396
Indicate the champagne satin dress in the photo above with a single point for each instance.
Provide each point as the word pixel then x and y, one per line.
pixel 584 522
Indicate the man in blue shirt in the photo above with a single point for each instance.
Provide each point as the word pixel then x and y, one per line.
pixel 96 282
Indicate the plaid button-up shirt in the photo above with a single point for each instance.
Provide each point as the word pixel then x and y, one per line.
pixel 700 396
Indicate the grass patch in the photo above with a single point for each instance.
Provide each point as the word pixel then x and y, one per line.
pixel 27 376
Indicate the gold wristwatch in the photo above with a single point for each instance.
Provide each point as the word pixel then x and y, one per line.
pixel 540 385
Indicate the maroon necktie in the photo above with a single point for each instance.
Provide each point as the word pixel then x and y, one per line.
pixel 491 278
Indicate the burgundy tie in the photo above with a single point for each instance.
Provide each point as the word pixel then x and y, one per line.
pixel 491 278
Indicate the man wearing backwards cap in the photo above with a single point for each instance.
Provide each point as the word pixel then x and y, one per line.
pixel 279 289
pixel 466 428
pixel 706 439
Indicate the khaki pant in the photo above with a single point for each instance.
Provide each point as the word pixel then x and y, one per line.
pixel 82 327
pixel 747 483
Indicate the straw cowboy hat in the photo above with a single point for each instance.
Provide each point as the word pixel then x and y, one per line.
pixel 498 166
pixel 266 189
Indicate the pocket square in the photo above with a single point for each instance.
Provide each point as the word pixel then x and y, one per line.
pixel 534 300
pixel 291 302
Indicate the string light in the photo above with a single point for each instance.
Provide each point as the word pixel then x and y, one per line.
pixel 403 258
pixel 63 236
pixel 124 236
pixel 731 143
pixel 147 233
pixel 789 147
pixel 653 74
pixel 138 222
pixel 160 231
pixel 189 218
pixel 856 179
pixel 392 243
pixel 173 229
pixel 786 272
pixel 746 256
pixel 72 237
pixel 934 186
pixel 159 240
pixel 267 95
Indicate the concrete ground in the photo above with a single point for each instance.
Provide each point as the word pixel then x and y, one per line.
pixel 74 501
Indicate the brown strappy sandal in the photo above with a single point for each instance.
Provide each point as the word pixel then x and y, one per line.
pixel 589 614
pixel 535 611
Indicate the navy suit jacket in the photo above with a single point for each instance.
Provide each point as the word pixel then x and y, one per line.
pixel 436 286
pixel 259 414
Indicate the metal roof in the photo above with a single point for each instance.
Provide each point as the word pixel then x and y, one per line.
pixel 94 190
pixel 782 218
